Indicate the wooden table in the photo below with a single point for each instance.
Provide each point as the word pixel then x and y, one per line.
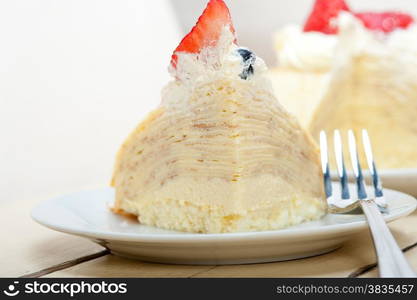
pixel 30 250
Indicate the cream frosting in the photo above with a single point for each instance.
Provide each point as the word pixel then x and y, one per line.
pixel 386 53
pixel 318 52
pixel 220 62
pixel 354 39
pixel 312 51
pixel 404 40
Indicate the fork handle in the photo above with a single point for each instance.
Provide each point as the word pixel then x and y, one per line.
pixel 391 260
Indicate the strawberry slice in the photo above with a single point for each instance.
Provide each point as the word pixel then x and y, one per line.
pixel 324 11
pixel 207 30
pixel 385 21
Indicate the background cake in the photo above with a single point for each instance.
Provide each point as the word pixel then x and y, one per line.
pixel 373 86
pixel 347 70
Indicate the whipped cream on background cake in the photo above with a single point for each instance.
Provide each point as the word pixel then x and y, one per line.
pixel 304 51
pixel 219 154
pixel 312 46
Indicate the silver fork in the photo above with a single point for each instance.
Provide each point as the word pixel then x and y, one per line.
pixel 391 260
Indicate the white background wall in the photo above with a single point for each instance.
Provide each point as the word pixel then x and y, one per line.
pixel 76 77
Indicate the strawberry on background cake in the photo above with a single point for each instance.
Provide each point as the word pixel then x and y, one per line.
pixel 353 70
pixel 219 154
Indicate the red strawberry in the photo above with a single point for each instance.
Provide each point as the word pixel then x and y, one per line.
pixel 385 21
pixel 321 17
pixel 207 30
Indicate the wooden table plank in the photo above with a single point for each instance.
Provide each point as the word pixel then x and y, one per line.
pixel 114 266
pixel 346 261
pixel 411 255
pixel 340 263
pixel 28 247
pixel 354 255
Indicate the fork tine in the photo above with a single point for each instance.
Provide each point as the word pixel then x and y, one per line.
pixel 334 203
pixel 371 163
pixel 357 170
pixel 379 195
pixel 325 165
pixel 341 168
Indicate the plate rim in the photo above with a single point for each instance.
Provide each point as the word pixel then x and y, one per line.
pixel 398 171
pixel 186 237
pixel 385 172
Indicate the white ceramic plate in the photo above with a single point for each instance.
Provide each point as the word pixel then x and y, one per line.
pixel 404 180
pixel 86 214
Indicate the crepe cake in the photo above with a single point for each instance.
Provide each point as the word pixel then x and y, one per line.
pixel 219 154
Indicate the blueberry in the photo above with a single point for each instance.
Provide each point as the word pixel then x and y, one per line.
pixel 248 58
pixel 245 53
